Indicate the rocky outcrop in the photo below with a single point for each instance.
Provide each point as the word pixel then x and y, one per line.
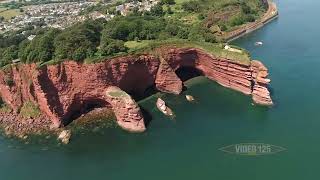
pixel 65 91
pixel 127 111
pixel 247 78
pixel 167 80
pixel 64 136
pixel 260 92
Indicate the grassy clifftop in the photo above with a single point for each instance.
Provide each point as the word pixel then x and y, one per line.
pixel 149 46
pixel 216 49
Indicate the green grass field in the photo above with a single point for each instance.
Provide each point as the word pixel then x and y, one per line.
pixel 225 11
pixel 118 94
pixel 214 49
pixel 148 46
pixel 8 14
pixel 2 9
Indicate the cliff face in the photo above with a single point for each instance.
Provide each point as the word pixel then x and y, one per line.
pixel 69 89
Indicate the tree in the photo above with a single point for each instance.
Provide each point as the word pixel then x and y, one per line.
pixel 223 27
pixel 12 39
pixel 245 8
pixel 8 54
pixel 119 30
pixel 79 54
pixel 157 10
pixel 209 37
pixel 78 42
pixel 130 27
pixel 250 18
pixel 191 6
pixel 23 52
pixel 169 2
pixel 40 49
pixel 136 11
pixel 111 46
pixel 238 20
pixel 183 33
pixel 172 29
pixel 169 10
pixel 201 16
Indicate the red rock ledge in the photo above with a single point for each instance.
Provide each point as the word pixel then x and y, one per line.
pixel 68 89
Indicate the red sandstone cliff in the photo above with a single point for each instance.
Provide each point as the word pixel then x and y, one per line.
pixel 126 109
pixel 67 90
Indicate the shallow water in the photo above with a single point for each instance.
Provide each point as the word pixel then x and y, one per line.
pixel 187 147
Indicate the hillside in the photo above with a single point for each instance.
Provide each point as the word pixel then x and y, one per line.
pixel 196 22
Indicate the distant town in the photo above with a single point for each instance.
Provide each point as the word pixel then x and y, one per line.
pixel 62 14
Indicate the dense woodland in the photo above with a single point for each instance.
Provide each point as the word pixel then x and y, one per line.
pixel 92 39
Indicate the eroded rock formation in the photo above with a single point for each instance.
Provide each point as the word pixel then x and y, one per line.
pixel 67 90
pixel 126 110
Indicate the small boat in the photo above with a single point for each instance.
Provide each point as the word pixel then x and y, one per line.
pixel 161 105
pixel 189 98
pixel 259 43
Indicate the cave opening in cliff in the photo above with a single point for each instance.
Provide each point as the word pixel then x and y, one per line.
pixel 85 107
pixel 188 72
pixel 138 95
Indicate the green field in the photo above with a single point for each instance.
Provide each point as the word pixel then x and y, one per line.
pixel 118 93
pixel 148 46
pixel 216 49
pixel 214 13
pixel 9 13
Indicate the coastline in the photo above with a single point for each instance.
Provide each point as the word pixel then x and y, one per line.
pixel 13 124
pixel 271 14
pixel 62 93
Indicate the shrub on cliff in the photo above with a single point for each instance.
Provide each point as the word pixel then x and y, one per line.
pixel 9 81
pixel 8 54
pixel 4 107
pixel 30 110
pixel 1 102
pixel 191 6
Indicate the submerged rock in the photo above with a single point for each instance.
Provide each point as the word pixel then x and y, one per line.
pixel 189 98
pixel 161 105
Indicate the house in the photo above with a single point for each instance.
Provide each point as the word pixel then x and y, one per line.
pixel 15 61
pixel 31 37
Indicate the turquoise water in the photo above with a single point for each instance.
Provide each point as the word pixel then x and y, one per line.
pixel 187 147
